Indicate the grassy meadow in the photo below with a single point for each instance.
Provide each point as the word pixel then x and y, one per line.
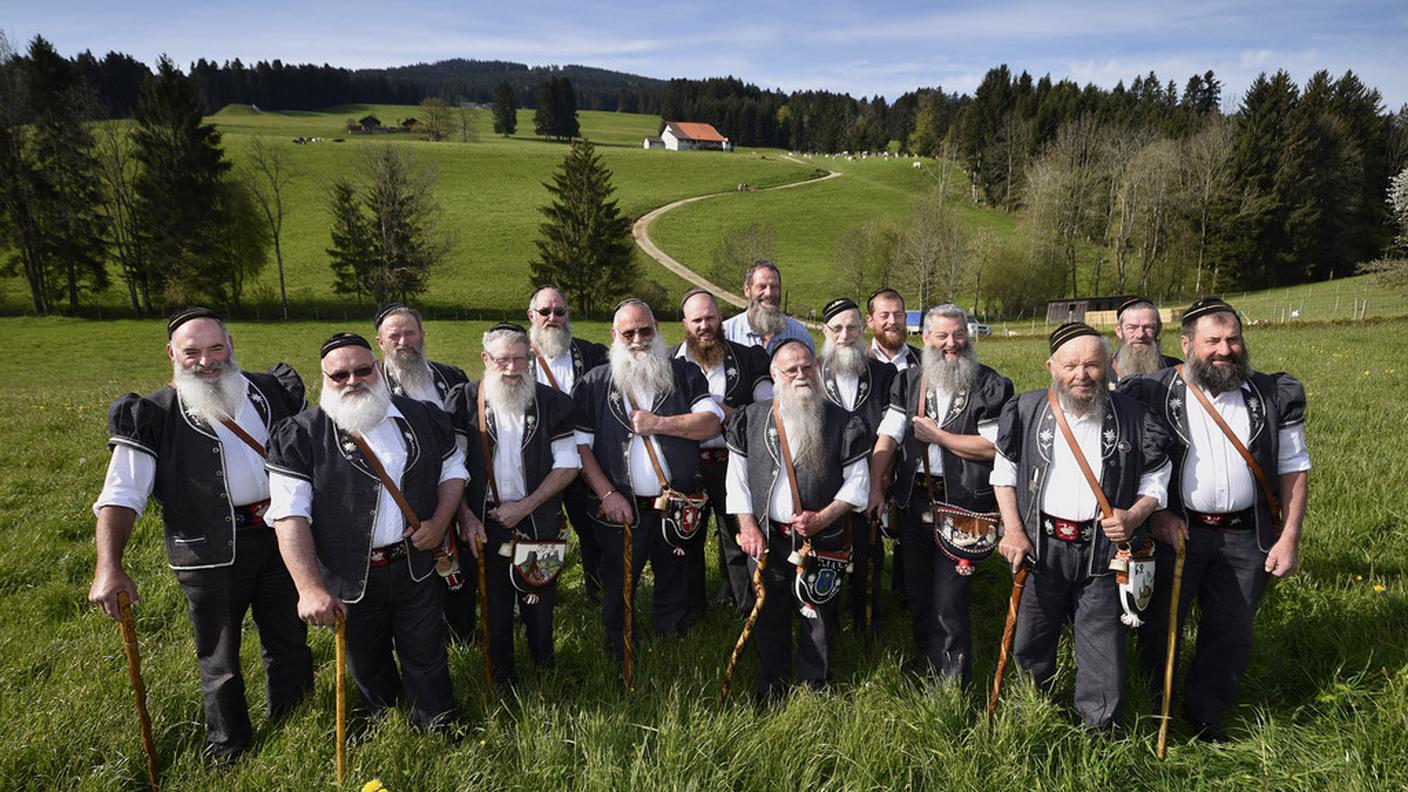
pixel 1324 706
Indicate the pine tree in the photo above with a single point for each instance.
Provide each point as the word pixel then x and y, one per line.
pixel 505 109
pixel 585 247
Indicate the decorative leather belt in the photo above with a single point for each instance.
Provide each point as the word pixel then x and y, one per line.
pixel 784 528
pixel 1243 520
pixel 713 456
pixel 1070 531
pixel 387 555
pixel 250 517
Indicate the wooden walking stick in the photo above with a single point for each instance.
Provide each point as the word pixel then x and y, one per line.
pixel 1009 632
pixel 483 585
pixel 1172 652
pixel 871 573
pixel 339 644
pixel 761 594
pixel 139 689
pixel 628 554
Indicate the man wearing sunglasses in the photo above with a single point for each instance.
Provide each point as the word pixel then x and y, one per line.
pixel 643 396
pixel 558 360
pixel 348 543
pixel 213 507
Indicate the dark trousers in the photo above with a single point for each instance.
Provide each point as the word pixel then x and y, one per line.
pixel 897 586
pixel 1061 592
pixel 733 562
pixel 580 509
pixel 397 614
pixel 868 563
pixel 938 597
pixel 1226 572
pixel 668 605
pixel 460 606
pixel 773 631
pixel 217 600
pixel 537 617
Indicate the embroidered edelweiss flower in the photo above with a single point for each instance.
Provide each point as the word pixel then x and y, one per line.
pixel 1046 436
pixel 1109 435
pixel 256 398
pixel 1175 403
pixel 349 446
pixel 731 372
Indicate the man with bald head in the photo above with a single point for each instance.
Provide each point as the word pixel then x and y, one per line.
pixel 1138 326
pixel 217 541
pixel 640 419
pixel 1052 517
pixel 737 376
pixel 350 547
pixel 1241 527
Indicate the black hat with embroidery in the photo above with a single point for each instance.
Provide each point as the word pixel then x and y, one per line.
pixel 510 326
pixel 388 310
pixel 1130 303
pixel 1205 306
pixel 186 314
pixel 1069 332
pixel 837 307
pixel 341 340
pixel 779 344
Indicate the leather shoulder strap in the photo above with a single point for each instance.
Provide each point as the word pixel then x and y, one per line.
pixel 239 432
pixel 649 449
pixel 787 465
pixel 484 446
pixel 386 481
pixel 547 370
pixel 924 447
pixel 1090 479
pixel 1270 494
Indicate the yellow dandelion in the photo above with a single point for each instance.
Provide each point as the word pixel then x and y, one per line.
pixel 1380 588
pixel 1358 577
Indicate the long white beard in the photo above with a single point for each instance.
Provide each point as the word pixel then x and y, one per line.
pixel 843 360
pixel 803 410
pixel 766 320
pixel 551 341
pixel 642 368
pixel 510 397
pixel 953 376
pixel 357 408
pixel 1093 406
pixel 409 368
pixel 214 399
pixel 1131 359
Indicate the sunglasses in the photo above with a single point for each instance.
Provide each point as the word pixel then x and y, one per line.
pixel 545 312
pixel 361 372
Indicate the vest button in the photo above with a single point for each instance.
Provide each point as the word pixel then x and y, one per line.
pixel 215 449
pixel 219 474
pixel 222 496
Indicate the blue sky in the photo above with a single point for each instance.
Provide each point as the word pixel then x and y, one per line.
pixel 864 48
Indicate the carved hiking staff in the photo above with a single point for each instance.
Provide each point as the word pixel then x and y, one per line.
pixel 139 688
pixel 761 594
pixel 872 572
pixel 1009 632
pixel 339 643
pixel 1172 647
pixel 628 553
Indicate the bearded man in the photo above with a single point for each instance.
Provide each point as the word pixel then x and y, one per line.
pixel 764 324
pixel 516 492
pixel 1051 514
pixel 558 360
pixel 640 420
pixel 213 509
pixel 782 511
pixel 401 337
pixel 737 376
pixel 1138 326
pixel 860 385
pixel 889 327
pixel 1241 525
pixel 942 419
pixel 350 548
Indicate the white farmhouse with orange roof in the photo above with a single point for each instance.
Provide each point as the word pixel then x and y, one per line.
pixel 684 135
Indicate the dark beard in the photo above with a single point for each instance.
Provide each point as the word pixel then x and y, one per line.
pixel 1219 379
pixel 766 320
pixel 1134 359
pixel 706 353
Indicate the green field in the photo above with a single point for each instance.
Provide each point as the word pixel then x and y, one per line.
pixel 1325 704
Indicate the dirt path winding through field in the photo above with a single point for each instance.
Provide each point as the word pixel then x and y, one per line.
pixel 641 232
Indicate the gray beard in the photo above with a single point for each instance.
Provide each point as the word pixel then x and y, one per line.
pixel 553 342
pixel 642 370
pixel 952 376
pixel 1095 405
pixel 766 320
pixel 357 414
pixel 511 397
pixel 843 360
pixel 1218 379
pixel 211 399
pixel 409 368
pixel 803 411
pixel 1131 359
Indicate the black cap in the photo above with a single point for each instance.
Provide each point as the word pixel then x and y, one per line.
pixel 883 290
pixel 510 326
pixel 778 345
pixel 1130 303
pixel 391 309
pixel 1205 306
pixel 838 306
pixel 340 340
pixel 1069 332
pixel 186 314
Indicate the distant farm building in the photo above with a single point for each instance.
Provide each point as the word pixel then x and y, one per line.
pixel 654 142
pixel 685 135
pixel 370 124
pixel 1095 310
